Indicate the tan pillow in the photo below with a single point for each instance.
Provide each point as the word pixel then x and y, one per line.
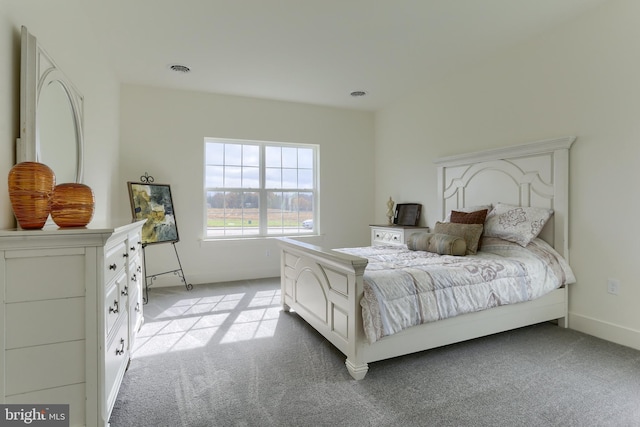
pixel 476 217
pixel 442 244
pixel 469 232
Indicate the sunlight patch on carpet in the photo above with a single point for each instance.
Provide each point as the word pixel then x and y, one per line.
pixel 192 323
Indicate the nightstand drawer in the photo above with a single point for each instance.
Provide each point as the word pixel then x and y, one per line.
pixel 384 236
pixel 392 234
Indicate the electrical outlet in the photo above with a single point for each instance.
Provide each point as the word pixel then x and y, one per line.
pixel 267 253
pixel 613 286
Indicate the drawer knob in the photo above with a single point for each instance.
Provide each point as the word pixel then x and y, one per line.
pixel 125 255
pixel 125 291
pixel 134 278
pixel 112 309
pixel 138 307
pixel 132 248
pixel 120 350
pixel 112 266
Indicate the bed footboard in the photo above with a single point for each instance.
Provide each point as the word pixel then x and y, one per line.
pixel 324 288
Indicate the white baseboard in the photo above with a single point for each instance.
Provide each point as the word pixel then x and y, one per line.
pixel 605 330
pixel 170 280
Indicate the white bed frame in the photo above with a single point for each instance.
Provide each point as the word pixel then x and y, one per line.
pixel 325 287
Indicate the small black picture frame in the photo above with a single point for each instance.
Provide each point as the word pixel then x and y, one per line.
pixel 407 214
pixel 153 202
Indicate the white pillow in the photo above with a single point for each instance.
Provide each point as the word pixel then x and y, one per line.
pixel 518 224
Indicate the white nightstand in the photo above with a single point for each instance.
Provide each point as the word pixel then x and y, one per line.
pixel 393 234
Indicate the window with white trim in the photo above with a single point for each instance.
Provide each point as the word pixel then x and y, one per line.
pixel 259 189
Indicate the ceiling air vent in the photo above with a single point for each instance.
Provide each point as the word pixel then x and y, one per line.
pixel 180 68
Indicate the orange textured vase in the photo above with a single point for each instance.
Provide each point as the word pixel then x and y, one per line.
pixel 72 205
pixel 30 189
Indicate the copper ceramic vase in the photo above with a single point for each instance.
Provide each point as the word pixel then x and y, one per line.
pixel 30 188
pixel 72 205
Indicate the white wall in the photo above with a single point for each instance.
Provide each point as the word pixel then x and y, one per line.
pixel 64 32
pixel 162 133
pixel 582 79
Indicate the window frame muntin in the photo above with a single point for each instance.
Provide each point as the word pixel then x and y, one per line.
pixel 262 191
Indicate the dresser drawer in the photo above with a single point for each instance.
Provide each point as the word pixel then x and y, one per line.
pixel 43 322
pixel 115 261
pixel 135 316
pixel 113 303
pixel 134 244
pixel 59 274
pixel 124 287
pixel 43 367
pixel 115 359
pixel 135 273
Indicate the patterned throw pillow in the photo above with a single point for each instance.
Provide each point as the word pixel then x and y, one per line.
pixel 442 244
pixel 518 224
pixel 469 232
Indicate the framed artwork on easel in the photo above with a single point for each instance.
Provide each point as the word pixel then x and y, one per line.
pixel 153 202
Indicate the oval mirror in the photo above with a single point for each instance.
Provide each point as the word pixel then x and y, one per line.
pixel 56 138
pixel 50 114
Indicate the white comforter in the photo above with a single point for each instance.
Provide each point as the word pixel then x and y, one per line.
pixel 403 288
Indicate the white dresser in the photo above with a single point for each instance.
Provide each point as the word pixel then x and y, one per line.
pixel 71 309
pixel 393 234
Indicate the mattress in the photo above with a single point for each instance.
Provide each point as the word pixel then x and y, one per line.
pixel 404 288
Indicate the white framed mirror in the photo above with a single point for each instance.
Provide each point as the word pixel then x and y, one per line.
pixel 51 114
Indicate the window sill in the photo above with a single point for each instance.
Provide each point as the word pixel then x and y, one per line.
pixel 315 238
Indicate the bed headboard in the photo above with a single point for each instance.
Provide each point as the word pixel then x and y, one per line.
pixel 533 174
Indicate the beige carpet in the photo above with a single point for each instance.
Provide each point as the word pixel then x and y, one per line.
pixel 227 356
